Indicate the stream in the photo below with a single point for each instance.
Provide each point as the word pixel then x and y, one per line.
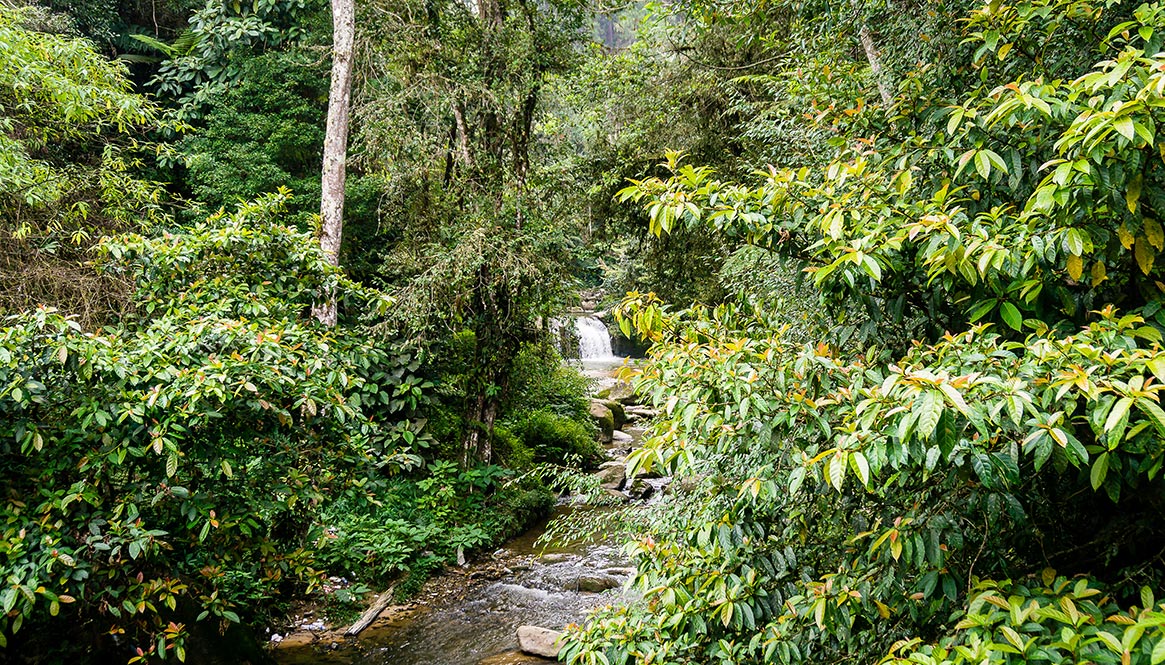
pixel 470 616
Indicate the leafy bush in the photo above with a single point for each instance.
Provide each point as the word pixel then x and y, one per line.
pixel 511 450
pixel 543 382
pixel 416 525
pixel 174 467
pixel 998 253
pixel 555 438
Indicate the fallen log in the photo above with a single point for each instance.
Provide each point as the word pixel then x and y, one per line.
pixel 382 601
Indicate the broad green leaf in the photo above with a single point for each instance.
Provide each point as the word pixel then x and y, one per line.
pixel 1099 470
pixel 1011 315
pixel 860 466
pixel 927 410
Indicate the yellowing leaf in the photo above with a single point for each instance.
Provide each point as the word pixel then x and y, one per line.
pixel 1098 273
pixel 1155 233
pixel 1075 267
pixel 1133 193
pixel 1125 236
pixel 1145 254
pixel 1048 575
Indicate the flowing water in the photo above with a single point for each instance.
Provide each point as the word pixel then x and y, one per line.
pixel 594 340
pixel 472 616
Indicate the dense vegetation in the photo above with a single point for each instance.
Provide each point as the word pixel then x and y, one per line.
pixel 958 458
pixel 899 266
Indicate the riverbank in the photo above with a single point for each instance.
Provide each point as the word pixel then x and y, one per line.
pixel 470 616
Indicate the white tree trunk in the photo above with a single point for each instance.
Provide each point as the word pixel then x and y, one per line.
pixel 336 144
pixel 875 65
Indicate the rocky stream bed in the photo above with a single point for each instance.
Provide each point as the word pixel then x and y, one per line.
pixel 487 612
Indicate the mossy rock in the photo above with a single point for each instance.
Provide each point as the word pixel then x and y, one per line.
pixel 605 419
pixel 617 413
pixel 621 392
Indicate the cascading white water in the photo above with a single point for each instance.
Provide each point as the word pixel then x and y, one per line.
pixel 594 341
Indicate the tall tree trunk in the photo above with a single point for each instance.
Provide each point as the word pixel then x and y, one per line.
pixel 336 145
pixel 875 65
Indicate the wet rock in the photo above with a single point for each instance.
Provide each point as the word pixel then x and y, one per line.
pixel 640 489
pixel 620 572
pixel 555 557
pixel 604 418
pixel 512 658
pixel 616 494
pixel 612 475
pixel 296 640
pixel 539 641
pixel 620 392
pixel 621 438
pixel 596 583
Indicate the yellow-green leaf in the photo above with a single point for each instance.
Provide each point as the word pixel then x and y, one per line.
pixel 1133 193
pixel 1145 254
pixel 1155 233
pixel 1098 273
pixel 1075 267
pixel 1126 237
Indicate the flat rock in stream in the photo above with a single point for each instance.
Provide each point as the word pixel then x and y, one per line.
pixel 612 475
pixel 596 583
pixel 539 641
pixel 619 437
pixel 512 658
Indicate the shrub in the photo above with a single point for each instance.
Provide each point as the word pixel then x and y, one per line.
pixel 555 438
pixel 174 467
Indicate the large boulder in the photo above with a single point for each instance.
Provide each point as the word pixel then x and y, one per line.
pixel 596 583
pixel 617 412
pixel 605 419
pixel 612 475
pixel 539 641
pixel 620 392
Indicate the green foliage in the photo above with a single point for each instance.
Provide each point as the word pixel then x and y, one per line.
pixel 263 133
pixel 555 438
pixel 416 525
pixel 212 54
pixel 174 466
pixel 542 381
pixel 990 241
pixel 71 142
pixel 1059 621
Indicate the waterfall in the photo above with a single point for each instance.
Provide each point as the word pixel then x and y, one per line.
pixel 594 341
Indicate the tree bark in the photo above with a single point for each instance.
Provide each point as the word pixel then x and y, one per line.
pixel 875 65
pixel 336 145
